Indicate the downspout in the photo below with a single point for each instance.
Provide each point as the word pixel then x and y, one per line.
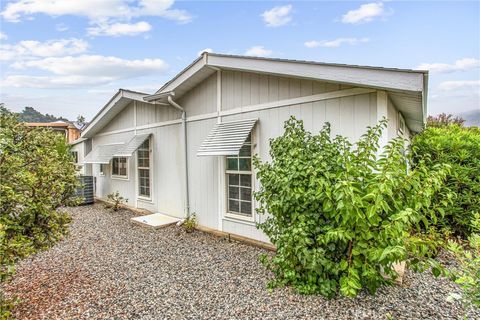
pixel 185 154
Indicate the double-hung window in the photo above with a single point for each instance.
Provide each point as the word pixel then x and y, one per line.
pixel 143 158
pixel 120 167
pixel 239 182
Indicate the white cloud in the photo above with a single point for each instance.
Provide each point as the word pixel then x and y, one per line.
pixel 95 65
pixel 459 65
pixel 209 50
pixel 335 43
pixel 119 29
pixel 277 16
pixel 84 70
pixel 258 51
pixel 3 36
pixel 95 10
pixel 43 82
pixel 50 48
pixel 460 85
pixel 366 13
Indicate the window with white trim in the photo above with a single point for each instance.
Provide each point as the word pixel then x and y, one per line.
pixel 239 182
pixel 143 164
pixel 120 167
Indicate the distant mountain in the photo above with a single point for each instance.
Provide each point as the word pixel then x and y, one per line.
pixel 472 118
pixel 29 114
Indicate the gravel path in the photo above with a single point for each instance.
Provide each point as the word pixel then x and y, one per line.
pixel 108 268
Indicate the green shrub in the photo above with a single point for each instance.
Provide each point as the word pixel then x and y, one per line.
pixel 36 177
pixel 338 213
pixel 468 256
pixel 458 147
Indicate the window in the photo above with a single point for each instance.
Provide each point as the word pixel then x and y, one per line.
pixel 75 156
pixel 143 158
pixel 239 182
pixel 120 167
pixel 401 124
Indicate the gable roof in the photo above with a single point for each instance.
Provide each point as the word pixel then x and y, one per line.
pixel 407 88
pixel 111 109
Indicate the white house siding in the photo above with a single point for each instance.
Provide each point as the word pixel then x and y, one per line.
pixel 348 116
pixel 202 99
pixel 393 123
pixel 124 119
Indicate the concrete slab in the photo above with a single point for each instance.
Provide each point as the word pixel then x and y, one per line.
pixel 155 221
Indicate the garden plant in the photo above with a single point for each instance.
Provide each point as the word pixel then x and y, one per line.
pixel 342 214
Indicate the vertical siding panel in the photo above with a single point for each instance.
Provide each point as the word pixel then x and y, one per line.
pixel 254 89
pixel 263 88
pixel 294 86
pixel 306 109
pixel 331 87
pixel 362 114
pixel 246 89
pixel 273 88
pixel 347 120
pixel 237 90
pixel 283 89
pixel 332 113
pixel 319 108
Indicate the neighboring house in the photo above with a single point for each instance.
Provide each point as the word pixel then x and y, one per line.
pixel 69 130
pixel 187 148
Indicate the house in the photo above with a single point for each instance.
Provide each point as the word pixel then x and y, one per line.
pixel 187 148
pixel 69 130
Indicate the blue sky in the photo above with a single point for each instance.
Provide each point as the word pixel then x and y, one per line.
pixel 68 57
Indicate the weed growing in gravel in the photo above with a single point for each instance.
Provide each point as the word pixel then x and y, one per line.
pixel 116 201
pixel 190 223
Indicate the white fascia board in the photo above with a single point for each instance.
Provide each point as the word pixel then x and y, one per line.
pixel 184 75
pixel 355 75
pixel 92 127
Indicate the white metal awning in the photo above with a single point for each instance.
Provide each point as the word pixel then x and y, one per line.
pixel 103 153
pixel 132 146
pixel 226 138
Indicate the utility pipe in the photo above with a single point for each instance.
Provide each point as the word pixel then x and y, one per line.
pixel 185 155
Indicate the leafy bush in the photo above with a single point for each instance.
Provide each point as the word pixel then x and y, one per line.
pixel 116 200
pixel 460 148
pixel 338 213
pixel 36 177
pixel 468 255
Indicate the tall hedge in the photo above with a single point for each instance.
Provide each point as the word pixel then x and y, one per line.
pixel 340 214
pixel 37 176
pixel 458 147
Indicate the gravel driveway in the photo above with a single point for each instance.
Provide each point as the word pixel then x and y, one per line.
pixel 108 268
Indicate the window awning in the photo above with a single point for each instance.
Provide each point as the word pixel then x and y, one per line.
pixel 104 153
pixel 128 149
pixel 226 138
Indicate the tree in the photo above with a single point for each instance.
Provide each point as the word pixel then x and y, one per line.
pixel 37 176
pixel 443 120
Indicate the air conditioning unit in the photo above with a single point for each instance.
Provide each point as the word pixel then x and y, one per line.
pixel 85 191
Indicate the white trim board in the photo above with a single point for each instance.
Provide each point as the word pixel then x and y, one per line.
pixel 254 107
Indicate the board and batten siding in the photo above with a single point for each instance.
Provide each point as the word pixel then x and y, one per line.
pixel 348 116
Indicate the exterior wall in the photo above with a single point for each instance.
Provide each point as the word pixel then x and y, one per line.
pixel 393 123
pixel 166 171
pixel 79 148
pixel 348 115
